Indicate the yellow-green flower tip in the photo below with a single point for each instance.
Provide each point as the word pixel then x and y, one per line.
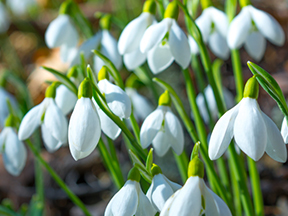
pixel 85 89
pixel 172 10
pixel 134 174
pixel 206 3
pixel 65 7
pixel 133 82
pixel 51 90
pixel 165 99
pixel 150 6
pixel 244 3
pixel 73 72
pixel 103 74
pixel 155 169
pixel 10 121
pixel 251 89
pixel 196 168
pixel 105 21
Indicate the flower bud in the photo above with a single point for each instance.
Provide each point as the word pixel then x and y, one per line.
pixel 149 6
pixel 251 89
pixel 172 10
pixel 103 74
pixel 134 174
pixel 85 89
pixel 165 99
pixel 155 170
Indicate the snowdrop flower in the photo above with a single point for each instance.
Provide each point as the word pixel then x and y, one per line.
pixel 130 199
pixel 228 98
pixel 4 19
pixel 13 150
pixel 195 198
pixel 284 130
pixel 213 25
pixel 84 126
pixel 20 7
pixel 250 27
pixel 163 129
pixel 160 189
pixel 166 42
pixel 62 33
pixel 254 132
pixel 129 40
pixel 53 122
pixel 4 111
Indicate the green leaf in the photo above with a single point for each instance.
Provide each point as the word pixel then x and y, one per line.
pixel 63 79
pixel 137 163
pixel 149 160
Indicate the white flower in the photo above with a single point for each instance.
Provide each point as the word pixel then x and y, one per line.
pixel 4 19
pixel 20 7
pixel 254 132
pixel 53 124
pixel 65 99
pixel 62 33
pixel 188 201
pixel 141 106
pixel 13 150
pixel 250 27
pixel 129 40
pixel 160 190
pixel 213 25
pixel 4 111
pixel 84 128
pixel 284 130
pixel 163 129
pixel 228 98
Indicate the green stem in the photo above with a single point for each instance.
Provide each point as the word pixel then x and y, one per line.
pixel 135 127
pixel 236 191
pixel 39 182
pixel 182 164
pixel 58 180
pixel 237 70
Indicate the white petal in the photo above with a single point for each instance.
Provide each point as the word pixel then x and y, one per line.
pixel 68 52
pixel 98 63
pixel 84 127
pixel 160 58
pixel 222 207
pixel 268 26
pixel 220 20
pixel 210 204
pixel 144 208
pixel 150 127
pixel 4 111
pixel 193 45
pixel 65 99
pixel 218 45
pixel 250 130
pixel 3 135
pixel 255 45
pixel 131 36
pixel 275 148
pixel 154 34
pixel 166 208
pixel 124 202
pixel 134 59
pixel 161 143
pixel 284 130
pixel 117 100
pixel 222 134
pixel 50 142
pixel 79 154
pixel 179 45
pixel 173 185
pixel 204 24
pixel 4 19
pixel 239 29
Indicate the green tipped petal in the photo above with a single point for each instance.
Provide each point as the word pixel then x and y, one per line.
pixel 172 10
pixel 51 90
pixel 105 21
pixel 134 174
pixel 155 169
pixel 103 74
pixel 165 99
pixel 149 6
pixel 85 89
pixel 251 89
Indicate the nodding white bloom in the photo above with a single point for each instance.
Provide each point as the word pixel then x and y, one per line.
pixel 4 19
pixel 141 106
pixel 195 198
pixel 253 131
pixel 13 150
pixel 250 27
pixel 228 99
pixel 4 111
pixel 130 199
pixel 51 119
pixel 163 129
pixel 166 42
pixel 20 7
pixel 213 25
pixel 284 130
pixel 84 126
pixel 129 40
pixel 62 33
pixel 160 189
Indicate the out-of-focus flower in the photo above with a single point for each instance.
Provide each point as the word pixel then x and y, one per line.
pixel 20 7
pixel 4 19
pixel 4 111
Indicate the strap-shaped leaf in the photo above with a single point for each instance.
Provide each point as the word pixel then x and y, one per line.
pixel 149 160
pixel 137 163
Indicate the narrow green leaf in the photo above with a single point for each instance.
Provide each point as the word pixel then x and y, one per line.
pixel 137 163
pixel 149 160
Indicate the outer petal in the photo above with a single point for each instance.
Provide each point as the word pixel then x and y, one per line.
pixel 250 130
pixel 173 185
pixel 79 154
pixel 284 130
pixel 68 52
pixel 179 45
pixel 3 136
pixel 131 36
pixel 65 99
pixel 134 59
pixel 222 207
pixel 220 20
pixel 218 45
pixel 193 45
pixel 166 208
pixel 268 26
pixel 239 29
pixel 4 111
pixel 210 204
pixel 117 100
pixel 84 127
pixel 222 134
pixel 144 207
pixel 150 127
pixel 124 202
pixel 255 45
pixel 160 58
pixel 154 34
pixel 204 24
pixel 50 142
pixel 275 148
